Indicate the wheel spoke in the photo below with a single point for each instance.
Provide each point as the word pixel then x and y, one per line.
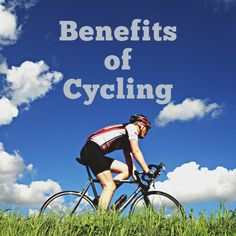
pixel 63 204
pixel 158 202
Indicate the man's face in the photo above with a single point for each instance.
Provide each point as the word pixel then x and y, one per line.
pixel 143 131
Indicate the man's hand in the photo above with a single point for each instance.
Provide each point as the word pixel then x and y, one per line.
pixel 152 174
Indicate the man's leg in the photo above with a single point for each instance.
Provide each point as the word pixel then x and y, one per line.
pixel 108 185
pixel 108 188
pixel 121 169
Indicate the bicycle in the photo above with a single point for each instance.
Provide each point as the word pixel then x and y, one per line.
pixel 74 202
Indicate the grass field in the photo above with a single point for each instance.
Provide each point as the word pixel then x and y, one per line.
pixel 110 223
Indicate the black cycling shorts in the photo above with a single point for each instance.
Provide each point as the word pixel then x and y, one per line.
pixel 92 155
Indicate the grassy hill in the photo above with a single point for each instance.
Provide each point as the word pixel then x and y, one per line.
pixel 111 223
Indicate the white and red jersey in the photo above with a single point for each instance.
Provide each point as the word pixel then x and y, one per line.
pixel 115 137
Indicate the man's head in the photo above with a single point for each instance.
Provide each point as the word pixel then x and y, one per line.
pixel 142 122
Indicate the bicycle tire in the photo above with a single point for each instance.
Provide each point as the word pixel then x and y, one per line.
pixel 57 204
pixel 160 202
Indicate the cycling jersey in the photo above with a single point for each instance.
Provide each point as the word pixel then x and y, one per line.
pixel 114 137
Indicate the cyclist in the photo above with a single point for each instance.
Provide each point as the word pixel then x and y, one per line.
pixel 121 136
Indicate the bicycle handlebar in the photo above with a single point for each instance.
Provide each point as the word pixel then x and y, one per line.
pixel 157 170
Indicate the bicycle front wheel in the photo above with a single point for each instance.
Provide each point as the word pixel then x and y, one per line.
pixel 66 203
pixel 159 202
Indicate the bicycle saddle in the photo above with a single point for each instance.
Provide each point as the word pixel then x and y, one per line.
pixel 80 161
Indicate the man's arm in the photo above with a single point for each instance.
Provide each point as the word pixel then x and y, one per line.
pixel 138 155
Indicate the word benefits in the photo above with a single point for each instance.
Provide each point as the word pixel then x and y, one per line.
pixel 139 30
pixel 75 89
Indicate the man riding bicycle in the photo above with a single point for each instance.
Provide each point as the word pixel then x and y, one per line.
pixel 106 140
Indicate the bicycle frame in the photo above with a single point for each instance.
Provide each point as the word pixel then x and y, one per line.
pixel 140 188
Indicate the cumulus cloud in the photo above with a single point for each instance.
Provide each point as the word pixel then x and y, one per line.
pixel 33 212
pixel 11 169
pixel 26 83
pixel 11 166
pixel 3 65
pixel 187 110
pixel 30 81
pixel 8 111
pixel 9 30
pixel 26 4
pixel 190 183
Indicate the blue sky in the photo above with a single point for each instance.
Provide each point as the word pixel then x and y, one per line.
pixel 49 129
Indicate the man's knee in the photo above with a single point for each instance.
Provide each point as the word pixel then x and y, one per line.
pixel 126 173
pixel 110 186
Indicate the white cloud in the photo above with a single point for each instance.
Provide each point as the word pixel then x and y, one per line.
pixel 33 212
pixel 189 183
pixel 12 165
pixel 187 110
pixel 31 195
pixel 8 30
pixel 30 81
pixel 26 4
pixel 29 168
pixel 8 111
pixel 11 169
pixel 3 65
pixel 26 83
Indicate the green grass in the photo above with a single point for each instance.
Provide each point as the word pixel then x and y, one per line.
pixel 110 223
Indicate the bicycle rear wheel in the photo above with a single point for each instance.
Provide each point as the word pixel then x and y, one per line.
pixel 159 202
pixel 64 204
